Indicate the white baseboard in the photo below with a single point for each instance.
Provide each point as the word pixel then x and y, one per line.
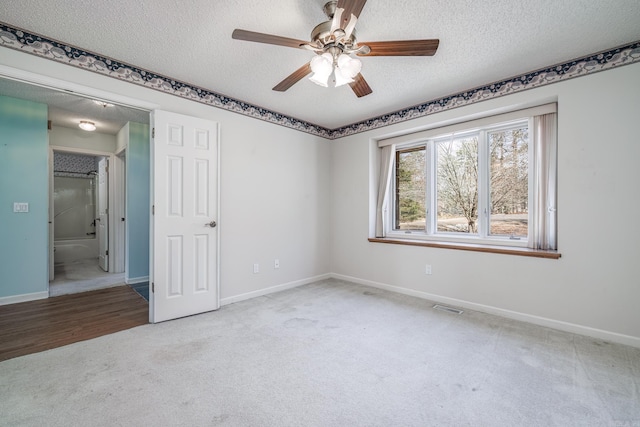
pixel 24 297
pixel 135 280
pixel 272 289
pixel 529 318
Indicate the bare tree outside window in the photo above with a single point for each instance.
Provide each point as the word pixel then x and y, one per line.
pixel 509 182
pixel 467 185
pixel 457 185
pixel 411 189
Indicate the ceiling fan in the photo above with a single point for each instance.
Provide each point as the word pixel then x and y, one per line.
pixel 334 41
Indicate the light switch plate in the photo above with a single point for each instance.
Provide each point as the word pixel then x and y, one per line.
pixel 20 207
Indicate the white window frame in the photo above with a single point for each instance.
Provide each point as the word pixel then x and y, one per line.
pixel 427 139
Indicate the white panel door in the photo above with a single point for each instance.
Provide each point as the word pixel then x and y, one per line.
pixel 185 199
pixel 103 213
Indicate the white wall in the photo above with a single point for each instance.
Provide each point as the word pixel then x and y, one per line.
pixel 274 186
pixel 275 206
pixel 305 201
pixel 78 138
pixel 594 288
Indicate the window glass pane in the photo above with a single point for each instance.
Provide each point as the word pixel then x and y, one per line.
pixel 457 185
pixel 410 189
pixel 509 182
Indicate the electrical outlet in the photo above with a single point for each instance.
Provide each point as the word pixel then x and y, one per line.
pixel 256 268
pixel 276 264
pixel 427 269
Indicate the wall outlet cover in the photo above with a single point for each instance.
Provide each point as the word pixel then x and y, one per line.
pixel 20 207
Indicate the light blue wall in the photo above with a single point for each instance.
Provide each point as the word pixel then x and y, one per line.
pixel 138 200
pixel 23 178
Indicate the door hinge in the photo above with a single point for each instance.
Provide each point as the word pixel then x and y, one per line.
pixel 106 253
pixel 153 132
pixel 153 287
pixel 153 209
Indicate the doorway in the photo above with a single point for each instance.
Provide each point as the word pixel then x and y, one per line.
pixel 192 237
pixel 80 221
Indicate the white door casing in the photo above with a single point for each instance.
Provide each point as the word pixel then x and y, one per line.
pixel 103 214
pixel 118 211
pixel 51 219
pixel 185 203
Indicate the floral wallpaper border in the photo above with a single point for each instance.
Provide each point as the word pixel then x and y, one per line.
pixel 38 45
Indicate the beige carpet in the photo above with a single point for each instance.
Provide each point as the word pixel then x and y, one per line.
pixel 327 354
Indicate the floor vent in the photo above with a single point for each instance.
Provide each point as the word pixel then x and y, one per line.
pixel 449 309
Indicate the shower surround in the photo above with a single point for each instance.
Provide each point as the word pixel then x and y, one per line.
pixel 74 199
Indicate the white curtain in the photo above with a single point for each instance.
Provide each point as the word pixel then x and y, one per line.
pixel 386 163
pixel 545 146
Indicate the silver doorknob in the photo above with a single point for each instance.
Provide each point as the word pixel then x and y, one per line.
pixel 211 224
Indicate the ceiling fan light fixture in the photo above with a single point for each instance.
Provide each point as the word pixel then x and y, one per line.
pixel 349 66
pixel 322 64
pixel 320 79
pixel 342 78
pixel 322 67
pixel 86 125
pixel 336 38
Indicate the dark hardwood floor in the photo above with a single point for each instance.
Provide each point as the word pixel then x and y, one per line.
pixel 35 326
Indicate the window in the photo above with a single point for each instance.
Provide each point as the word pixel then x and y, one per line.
pixel 456 184
pixel 411 187
pixel 491 181
pixel 509 182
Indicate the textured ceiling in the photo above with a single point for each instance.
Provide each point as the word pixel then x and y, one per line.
pixel 480 42
pixel 67 110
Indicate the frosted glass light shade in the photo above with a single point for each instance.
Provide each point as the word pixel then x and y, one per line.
pixel 320 79
pixel 88 126
pixel 322 64
pixel 341 78
pixel 344 69
pixel 322 67
pixel 350 67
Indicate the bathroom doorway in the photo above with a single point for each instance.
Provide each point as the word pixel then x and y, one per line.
pixel 80 205
pixel 119 130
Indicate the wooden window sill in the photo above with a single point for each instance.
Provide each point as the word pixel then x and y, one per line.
pixel 505 250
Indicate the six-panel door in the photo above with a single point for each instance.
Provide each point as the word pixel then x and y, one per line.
pixel 185 160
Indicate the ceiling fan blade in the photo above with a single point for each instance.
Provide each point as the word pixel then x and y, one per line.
pixel 294 78
pixel 252 36
pixel 346 15
pixel 402 48
pixel 351 7
pixel 360 86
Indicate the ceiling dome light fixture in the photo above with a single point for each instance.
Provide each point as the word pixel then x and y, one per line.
pixel 86 125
